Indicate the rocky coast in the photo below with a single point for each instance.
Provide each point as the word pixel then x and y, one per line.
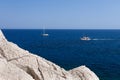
pixel 19 64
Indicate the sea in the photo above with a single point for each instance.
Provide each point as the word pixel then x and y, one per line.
pixel 64 48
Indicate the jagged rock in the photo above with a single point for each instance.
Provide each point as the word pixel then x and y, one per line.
pixel 9 71
pixel 84 73
pixel 36 67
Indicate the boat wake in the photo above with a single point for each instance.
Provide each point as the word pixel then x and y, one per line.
pixel 105 39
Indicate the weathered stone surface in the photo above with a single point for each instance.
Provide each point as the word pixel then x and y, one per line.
pixel 83 73
pixel 35 67
pixel 9 71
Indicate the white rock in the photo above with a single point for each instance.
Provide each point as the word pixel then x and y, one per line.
pixel 9 71
pixel 84 73
pixel 36 67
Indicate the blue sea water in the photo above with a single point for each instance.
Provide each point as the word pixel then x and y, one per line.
pixel 64 47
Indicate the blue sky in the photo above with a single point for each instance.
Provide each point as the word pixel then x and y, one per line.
pixel 60 14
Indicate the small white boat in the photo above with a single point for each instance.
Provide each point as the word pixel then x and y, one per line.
pixel 85 38
pixel 44 34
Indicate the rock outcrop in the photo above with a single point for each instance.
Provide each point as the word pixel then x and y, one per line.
pixel 19 64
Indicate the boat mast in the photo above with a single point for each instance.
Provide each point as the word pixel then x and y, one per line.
pixel 43 30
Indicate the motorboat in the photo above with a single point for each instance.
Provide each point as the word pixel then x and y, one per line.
pixel 85 38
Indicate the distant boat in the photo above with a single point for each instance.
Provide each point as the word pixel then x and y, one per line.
pixel 44 34
pixel 85 38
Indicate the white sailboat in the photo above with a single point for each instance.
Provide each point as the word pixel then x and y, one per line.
pixel 44 34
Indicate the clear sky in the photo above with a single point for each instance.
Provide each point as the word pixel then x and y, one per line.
pixel 60 14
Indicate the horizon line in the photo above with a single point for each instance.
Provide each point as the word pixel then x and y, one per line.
pixel 62 29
